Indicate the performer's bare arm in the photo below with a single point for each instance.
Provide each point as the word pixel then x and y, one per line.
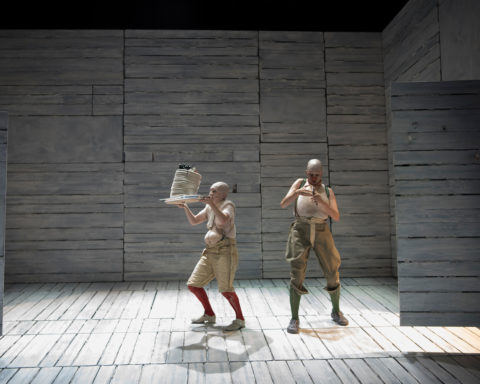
pixel 294 192
pixel 193 219
pixel 330 209
pixel 222 217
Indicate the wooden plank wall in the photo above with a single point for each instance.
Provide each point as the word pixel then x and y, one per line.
pixel 436 154
pixel 190 96
pixel 411 52
pixel 322 96
pixel 64 94
pixel 3 196
pixel 293 130
pixel 101 119
pixel 357 150
pixel 459 39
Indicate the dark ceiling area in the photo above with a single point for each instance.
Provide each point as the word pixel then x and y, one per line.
pixel 320 15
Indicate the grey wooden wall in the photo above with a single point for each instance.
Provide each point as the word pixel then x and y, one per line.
pixel 64 93
pixel 459 39
pixel 3 195
pixel 411 51
pixel 293 130
pixel 100 120
pixel 436 158
pixel 357 151
pixel 190 96
pixel 324 97
pixel 429 40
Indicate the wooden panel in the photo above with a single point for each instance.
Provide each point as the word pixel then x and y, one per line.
pixel 65 204
pixel 459 39
pixel 246 107
pixel 61 57
pixel 410 36
pixel 437 201
pixel 190 96
pixel 293 130
pixel 59 217
pixel 3 196
pixel 411 51
pixel 357 151
pixel 59 139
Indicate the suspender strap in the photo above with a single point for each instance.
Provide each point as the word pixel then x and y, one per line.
pixel 295 206
pixel 327 191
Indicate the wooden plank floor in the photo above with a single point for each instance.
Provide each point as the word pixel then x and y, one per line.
pixel 140 332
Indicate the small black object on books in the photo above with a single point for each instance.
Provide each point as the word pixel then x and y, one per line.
pixel 184 166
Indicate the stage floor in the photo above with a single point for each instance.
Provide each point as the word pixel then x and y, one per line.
pixel 140 332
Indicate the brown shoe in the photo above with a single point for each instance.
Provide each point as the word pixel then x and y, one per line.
pixel 293 327
pixel 338 318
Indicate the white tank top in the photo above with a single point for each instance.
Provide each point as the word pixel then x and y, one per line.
pixel 216 230
pixel 307 208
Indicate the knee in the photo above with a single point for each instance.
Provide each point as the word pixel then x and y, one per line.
pixel 194 289
pixel 333 281
pixel 299 289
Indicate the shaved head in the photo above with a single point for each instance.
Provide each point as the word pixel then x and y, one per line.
pixel 314 165
pixel 221 187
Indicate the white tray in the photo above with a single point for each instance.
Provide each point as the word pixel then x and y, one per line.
pixel 183 199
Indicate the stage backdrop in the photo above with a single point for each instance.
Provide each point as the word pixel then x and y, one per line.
pixel 436 159
pixel 100 120
pixel 429 40
pixel 3 192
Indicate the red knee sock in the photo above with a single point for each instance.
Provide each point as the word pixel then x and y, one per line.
pixel 235 303
pixel 202 296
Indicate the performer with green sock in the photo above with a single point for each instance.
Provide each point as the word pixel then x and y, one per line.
pixel 314 203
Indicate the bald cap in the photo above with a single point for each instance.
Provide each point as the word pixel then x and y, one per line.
pixel 314 165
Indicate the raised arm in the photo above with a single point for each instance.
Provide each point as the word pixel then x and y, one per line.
pixel 330 209
pixel 221 216
pixel 293 193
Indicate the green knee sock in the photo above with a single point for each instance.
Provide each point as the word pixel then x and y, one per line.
pixel 335 297
pixel 294 303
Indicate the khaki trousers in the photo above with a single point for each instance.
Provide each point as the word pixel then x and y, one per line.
pixel 219 261
pixel 306 233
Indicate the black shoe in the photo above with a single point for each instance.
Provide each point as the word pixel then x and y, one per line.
pixel 293 326
pixel 338 318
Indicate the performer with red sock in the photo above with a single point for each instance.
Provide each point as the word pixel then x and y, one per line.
pixel 220 257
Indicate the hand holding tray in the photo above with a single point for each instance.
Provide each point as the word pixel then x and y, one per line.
pixel 182 199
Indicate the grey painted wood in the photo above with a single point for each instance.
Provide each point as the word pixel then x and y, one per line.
pixel 101 119
pixel 411 52
pixel 410 36
pixel 55 139
pixel 436 219
pixel 123 332
pixel 65 200
pixel 190 96
pixel 354 118
pixel 3 196
pixel 358 174
pixel 293 130
pixel 459 39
